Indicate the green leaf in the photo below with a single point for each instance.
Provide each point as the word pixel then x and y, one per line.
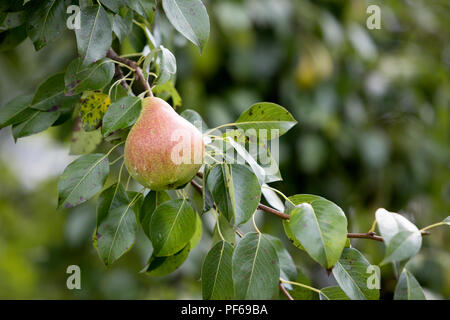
pixel 256 152
pixel 92 77
pixel 114 5
pixel 242 152
pixel 402 238
pixel 198 232
pixel 408 288
pixel 263 156
pixel 167 65
pixel 94 37
pixel 162 266
pixel 301 198
pixel 348 244
pixel 15 111
pixel 46 21
pixel 402 246
pixel 152 200
pixel 333 293
pixel 12 38
pixel 36 122
pixel 190 18
pixel 149 59
pixel 208 201
pixel 92 109
pixel 290 235
pixel 50 95
pixel 235 190
pixel 288 269
pixel 84 142
pixel 217 280
pixel 256 270
pixel 82 179
pixel 118 92
pixel 320 226
pixel 86 3
pixel 300 293
pixel 10 20
pixel 195 198
pixel 65 116
pixel 116 224
pixel 266 116
pixel 121 114
pixel 351 274
pixel 137 39
pixel 172 226
pixel 193 117
pixel 391 223
pixel 226 230
pixel 122 25
pixel 137 205
pixel 166 90
pixel 145 8
pixel 272 198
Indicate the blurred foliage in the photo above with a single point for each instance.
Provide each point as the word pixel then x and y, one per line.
pixel 374 131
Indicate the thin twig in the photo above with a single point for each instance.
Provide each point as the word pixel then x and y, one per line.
pixel 273 211
pixel 301 285
pixel 254 223
pixel 368 235
pixel 285 292
pixel 138 71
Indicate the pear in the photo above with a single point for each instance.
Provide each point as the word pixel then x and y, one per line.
pixel 163 150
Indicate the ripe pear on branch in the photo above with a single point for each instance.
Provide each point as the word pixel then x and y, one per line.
pixel 163 150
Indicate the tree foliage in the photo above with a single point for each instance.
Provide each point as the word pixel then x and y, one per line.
pixel 101 91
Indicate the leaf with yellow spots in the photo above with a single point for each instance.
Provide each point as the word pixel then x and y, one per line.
pixel 92 109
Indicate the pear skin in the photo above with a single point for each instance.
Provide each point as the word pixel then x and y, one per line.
pixel 163 150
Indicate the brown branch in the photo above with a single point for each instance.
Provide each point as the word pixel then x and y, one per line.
pixel 197 186
pixel 368 235
pixel 279 214
pixel 285 292
pixel 119 75
pixel 132 64
pixel 284 216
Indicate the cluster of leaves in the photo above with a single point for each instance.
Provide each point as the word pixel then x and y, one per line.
pixel 86 83
pixel 254 266
pixel 251 267
pixel 102 110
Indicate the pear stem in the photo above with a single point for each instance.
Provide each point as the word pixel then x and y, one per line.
pixel 132 64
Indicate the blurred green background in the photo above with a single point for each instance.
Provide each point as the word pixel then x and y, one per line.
pixel 374 131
